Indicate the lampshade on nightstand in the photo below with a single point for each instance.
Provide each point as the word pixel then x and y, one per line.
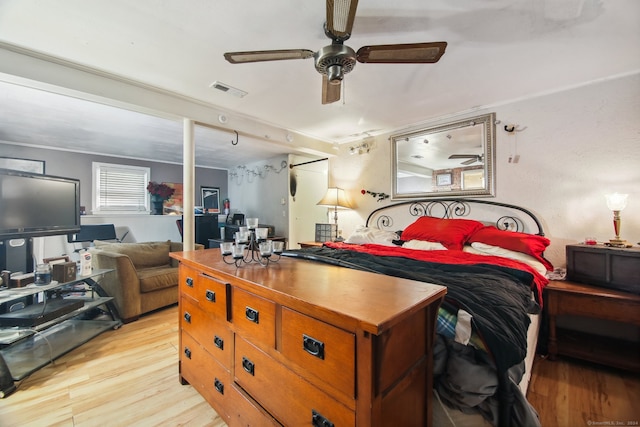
pixel 616 202
pixel 336 198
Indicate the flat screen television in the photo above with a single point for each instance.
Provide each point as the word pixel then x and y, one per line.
pixel 33 205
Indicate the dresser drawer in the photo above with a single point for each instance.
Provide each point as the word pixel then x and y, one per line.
pixel 327 353
pixel 205 374
pixel 246 412
pixel 254 317
pixel 193 319
pixel 217 339
pixel 187 280
pixel 291 399
pixel 212 295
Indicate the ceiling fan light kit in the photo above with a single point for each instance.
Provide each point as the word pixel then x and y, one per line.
pixel 336 60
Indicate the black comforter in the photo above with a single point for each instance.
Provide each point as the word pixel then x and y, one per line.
pixel 498 298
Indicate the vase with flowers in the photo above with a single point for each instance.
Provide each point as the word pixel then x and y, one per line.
pixel 159 193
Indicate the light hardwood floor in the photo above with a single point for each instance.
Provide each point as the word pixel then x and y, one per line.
pixel 129 377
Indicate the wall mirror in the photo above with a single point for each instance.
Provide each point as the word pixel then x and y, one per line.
pixel 451 160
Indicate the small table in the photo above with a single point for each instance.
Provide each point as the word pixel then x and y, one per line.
pixel 578 299
pixel 310 244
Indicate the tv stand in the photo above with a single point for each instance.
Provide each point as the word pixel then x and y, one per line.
pixel 28 343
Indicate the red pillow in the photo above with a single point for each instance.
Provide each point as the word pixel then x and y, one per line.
pixel 530 244
pixel 452 233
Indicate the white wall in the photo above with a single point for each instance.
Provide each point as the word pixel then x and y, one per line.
pixel 574 146
pixel 263 196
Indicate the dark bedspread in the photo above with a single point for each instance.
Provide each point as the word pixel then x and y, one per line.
pixel 498 297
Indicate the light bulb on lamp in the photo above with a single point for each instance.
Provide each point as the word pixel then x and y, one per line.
pixel 616 202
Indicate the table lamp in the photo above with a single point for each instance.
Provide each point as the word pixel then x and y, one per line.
pixel 617 202
pixel 336 198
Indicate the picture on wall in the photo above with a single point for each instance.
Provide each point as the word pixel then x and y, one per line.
pixel 210 199
pixel 173 205
pixel 443 179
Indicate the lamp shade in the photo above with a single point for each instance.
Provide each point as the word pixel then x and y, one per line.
pixel 616 201
pixel 336 197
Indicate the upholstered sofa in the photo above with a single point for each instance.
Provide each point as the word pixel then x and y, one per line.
pixel 145 277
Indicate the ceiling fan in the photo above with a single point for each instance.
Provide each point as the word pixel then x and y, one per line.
pixel 336 60
pixel 472 158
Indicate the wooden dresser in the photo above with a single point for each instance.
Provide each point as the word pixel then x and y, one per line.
pixel 305 343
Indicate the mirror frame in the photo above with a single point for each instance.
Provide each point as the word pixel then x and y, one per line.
pixel 489 143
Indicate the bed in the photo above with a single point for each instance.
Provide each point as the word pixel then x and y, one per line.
pixel 494 268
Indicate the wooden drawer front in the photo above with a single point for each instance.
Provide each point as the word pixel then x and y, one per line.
pixel 194 320
pixel 324 351
pixel 206 375
pixel 217 339
pixel 187 281
pixel 254 317
pixel 212 295
pixel 594 306
pixel 246 412
pixel 291 399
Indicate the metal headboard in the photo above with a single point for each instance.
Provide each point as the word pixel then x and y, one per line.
pixel 455 208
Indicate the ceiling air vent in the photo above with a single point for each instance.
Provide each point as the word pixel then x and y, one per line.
pixel 228 89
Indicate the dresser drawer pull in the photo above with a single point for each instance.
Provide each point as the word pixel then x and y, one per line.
pixel 219 386
pixel 187 352
pixel 252 315
pixel 318 420
pixel 187 317
pixel 313 346
pixel 210 295
pixel 189 282
pixel 219 342
pixel 248 365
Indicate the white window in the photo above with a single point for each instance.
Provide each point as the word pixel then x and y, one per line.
pixel 120 188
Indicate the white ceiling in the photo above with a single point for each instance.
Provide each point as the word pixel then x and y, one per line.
pixel 498 51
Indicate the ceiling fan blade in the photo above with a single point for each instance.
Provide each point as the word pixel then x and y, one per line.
pixel 267 55
pixel 410 53
pixel 463 156
pixel 330 92
pixel 468 162
pixel 340 16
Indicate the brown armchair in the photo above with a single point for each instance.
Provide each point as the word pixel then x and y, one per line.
pixel 145 277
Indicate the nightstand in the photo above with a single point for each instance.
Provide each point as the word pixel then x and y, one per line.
pixel 310 244
pixel 570 298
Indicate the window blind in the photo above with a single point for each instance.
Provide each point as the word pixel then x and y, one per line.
pixel 120 188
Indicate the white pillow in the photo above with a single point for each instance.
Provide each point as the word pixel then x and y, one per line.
pixel 424 245
pixel 364 235
pixel 484 249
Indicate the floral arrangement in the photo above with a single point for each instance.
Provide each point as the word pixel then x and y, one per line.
pixel 379 196
pixel 161 190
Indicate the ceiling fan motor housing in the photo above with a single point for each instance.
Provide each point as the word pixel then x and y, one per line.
pixel 335 61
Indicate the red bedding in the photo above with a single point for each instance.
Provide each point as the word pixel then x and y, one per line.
pixel 448 257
